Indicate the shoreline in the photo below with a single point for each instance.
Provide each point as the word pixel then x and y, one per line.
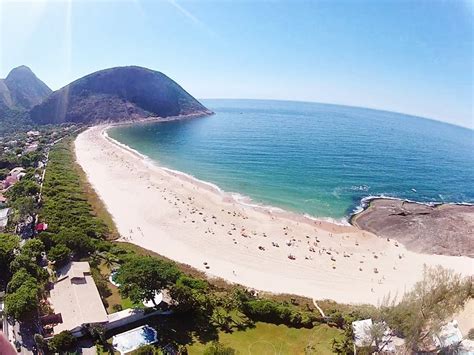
pixel 246 200
pixel 152 207
pixel 234 196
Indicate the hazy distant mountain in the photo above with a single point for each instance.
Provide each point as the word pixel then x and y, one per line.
pixel 22 89
pixel 19 92
pixel 117 94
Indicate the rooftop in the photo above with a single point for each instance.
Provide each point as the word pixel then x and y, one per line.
pixel 76 298
pixel 362 336
pixel 4 217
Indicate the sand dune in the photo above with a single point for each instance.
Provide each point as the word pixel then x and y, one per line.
pixel 193 223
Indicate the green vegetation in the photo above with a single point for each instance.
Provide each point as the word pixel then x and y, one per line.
pixel 142 277
pixel 73 230
pixel 65 207
pixel 8 244
pixel 62 342
pixel 424 310
pixel 217 348
pixel 271 339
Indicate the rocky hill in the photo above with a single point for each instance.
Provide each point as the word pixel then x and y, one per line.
pixel 22 89
pixel 117 94
pixel 19 92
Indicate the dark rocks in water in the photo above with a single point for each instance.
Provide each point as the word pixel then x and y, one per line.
pixel 445 229
pixel 117 94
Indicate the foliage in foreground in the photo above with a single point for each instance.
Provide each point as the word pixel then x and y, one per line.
pixel 425 309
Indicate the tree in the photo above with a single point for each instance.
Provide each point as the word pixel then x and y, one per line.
pixel 8 245
pixel 33 248
pixel 424 310
pixel 379 334
pixel 23 188
pixel 217 348
pixel 3 173
pixel 40 342
pixel 19 278
pixel 75 240
pixel 25 261
pixel 192 296
pixel 23 303
pixel 59 254
pixel 63 342
pixel 25 206
pixel 141 277
pixel 146 350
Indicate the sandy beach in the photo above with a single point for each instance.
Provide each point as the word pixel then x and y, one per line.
pixel 271 250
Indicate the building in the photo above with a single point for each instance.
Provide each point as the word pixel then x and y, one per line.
pixel 76 299
pixel 10 181
pixel 16 171
pixel 33 133
pixel 3 200
pixel 4 214
pixel 363 338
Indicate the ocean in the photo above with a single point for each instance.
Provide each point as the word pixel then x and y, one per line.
pixel 310 158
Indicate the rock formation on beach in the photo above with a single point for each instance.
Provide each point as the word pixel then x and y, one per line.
pixel 117 94
pixel 440 229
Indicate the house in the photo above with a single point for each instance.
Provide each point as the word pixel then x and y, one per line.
pixel 10 181
pixel 450 337
pixel 33 133
pixel 363 338
pixel 16 171
pixel 4 214
pixel 75 298
pixel 41 227
pixel 31 147
pixel 2 306
pixel 3 200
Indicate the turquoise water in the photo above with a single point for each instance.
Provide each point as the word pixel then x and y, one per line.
pixel 313 158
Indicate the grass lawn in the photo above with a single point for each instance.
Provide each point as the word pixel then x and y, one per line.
pixel 115 297
pixel 270 339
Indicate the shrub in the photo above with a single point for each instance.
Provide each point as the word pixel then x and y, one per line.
pixel 59 254
pixel 63 342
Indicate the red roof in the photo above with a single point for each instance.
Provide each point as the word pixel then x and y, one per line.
pixel 10 180
pixel 41 227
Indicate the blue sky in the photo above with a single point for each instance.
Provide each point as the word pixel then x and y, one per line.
pixel 407 56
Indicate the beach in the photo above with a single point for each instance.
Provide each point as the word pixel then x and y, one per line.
pixel 195 223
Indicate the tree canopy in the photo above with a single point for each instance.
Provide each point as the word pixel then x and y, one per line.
pixel 8 244
pixel 142 277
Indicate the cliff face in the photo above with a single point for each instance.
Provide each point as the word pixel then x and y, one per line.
pixel 117 94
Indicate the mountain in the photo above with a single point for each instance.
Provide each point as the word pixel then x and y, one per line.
pixel 117 94
pixel 21 90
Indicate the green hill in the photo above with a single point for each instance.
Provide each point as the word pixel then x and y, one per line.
pixel 117 94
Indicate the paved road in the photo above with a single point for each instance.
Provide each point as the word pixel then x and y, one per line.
pixel 24 336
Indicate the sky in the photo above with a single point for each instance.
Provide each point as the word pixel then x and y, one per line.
pixel 413 57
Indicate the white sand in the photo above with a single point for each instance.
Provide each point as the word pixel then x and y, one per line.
pixel 193 223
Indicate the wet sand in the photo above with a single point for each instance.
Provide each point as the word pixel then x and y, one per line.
pixel 192 222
